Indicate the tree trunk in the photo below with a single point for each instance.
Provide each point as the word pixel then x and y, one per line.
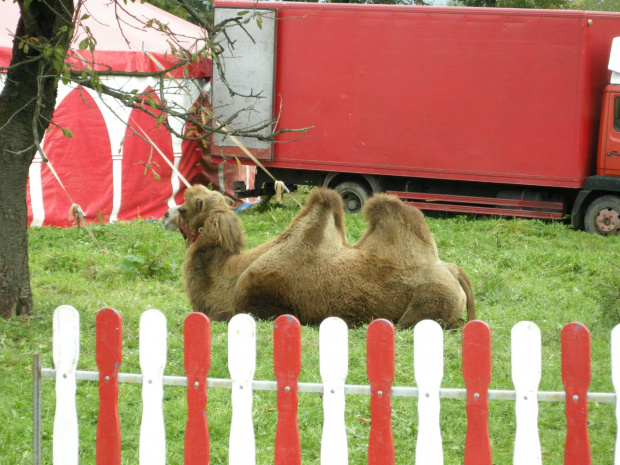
pixel 15 293
pixel 26 106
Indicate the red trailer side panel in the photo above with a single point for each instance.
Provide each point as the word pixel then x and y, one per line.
pixel 495 95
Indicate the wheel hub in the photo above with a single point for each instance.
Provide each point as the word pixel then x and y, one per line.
pixel 608 220
pixel 351 201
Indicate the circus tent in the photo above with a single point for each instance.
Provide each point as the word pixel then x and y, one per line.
pixel 113 165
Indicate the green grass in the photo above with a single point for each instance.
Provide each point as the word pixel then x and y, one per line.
pixel 520 269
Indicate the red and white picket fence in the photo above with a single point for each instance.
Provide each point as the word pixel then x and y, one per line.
pixel 333 341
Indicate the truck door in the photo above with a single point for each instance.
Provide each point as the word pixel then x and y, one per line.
pixel 247 68
pixel 609 150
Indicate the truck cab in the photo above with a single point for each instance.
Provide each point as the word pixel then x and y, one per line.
pixel 597 207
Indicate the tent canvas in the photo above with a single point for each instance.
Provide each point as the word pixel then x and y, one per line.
pixel 108 168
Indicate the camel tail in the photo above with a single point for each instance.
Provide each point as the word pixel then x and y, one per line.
pixel 465 283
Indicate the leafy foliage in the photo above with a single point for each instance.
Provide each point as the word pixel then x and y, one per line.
pixel 542 4
pixel 145 262
pixel 175 7
pixel 599 5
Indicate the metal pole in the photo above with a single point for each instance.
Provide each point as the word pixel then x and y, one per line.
pixel 36 410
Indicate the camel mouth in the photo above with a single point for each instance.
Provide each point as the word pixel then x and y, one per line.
pixel 172 220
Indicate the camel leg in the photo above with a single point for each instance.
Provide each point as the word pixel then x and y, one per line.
pixel 261 295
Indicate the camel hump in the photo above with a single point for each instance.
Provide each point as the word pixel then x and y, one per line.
pixel 322 204
pixel 388 212
pixel 327 198
pixel 465 283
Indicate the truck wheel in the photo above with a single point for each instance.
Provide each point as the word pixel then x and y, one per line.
pixel 603 216
pixel 353 194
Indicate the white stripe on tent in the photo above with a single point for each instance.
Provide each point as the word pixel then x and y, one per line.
pixel 36 191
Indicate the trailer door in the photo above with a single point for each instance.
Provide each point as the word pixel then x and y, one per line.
pixel 247 68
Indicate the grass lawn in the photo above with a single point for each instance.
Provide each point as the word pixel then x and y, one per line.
pixel 520 269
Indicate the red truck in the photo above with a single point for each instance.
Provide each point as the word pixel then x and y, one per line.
pixel 488 111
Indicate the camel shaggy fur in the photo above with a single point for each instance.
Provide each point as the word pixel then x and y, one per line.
pixel 312 272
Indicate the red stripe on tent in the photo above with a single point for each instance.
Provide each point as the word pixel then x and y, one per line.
pixel 88 179
pixel 576 374
pixel 477 377
pixel 108 350
pixel 380 371
pixel 146 187
pixel 197 361
pixel 286 366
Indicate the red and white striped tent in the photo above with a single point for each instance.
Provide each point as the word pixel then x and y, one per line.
pixel 107 168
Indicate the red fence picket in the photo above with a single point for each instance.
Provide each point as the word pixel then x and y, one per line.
pixel 108 350
pixel 477 377
pixel 286 366
pixel 197 361
pixel 380 359
pixel 576 374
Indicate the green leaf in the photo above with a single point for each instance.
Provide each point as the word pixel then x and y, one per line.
pixel 259 21
pixel 66 132
pixel 84 44
pixel 243 13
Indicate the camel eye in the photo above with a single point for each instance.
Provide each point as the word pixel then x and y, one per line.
pixel 182 211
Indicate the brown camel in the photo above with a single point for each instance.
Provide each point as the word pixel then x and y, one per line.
pixel 312 272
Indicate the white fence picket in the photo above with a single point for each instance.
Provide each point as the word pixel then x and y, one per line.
pixel 153 348
pixel 428 370
pixel 66 351
pixel 334 366
pixel 526 374
pixel 241 365
pixel 615 379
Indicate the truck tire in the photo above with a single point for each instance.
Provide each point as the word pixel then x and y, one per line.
pixel 354 195
pixel 603 216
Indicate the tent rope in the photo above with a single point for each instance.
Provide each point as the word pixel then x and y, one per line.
pixel 75 211
pixel 170 164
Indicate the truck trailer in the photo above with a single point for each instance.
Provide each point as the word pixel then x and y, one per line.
pixel 479 110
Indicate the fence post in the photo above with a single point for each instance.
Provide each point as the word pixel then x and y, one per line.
pixel 153 338
pixel 286 366
pixel 428 371
pixel 36 410
pixel 615 378
pixel 334 366
pixel 197 361
pixel 241 365
pixel 108 349
pixel 380 370
pixel 66 349
pixel 526 374
pixel 576 374
pixel 477 377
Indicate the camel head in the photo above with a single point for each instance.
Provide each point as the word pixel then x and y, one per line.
pixel 200 208
pixel 170 221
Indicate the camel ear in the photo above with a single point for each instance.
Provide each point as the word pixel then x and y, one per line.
pixel 198 204
pixel 230 202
